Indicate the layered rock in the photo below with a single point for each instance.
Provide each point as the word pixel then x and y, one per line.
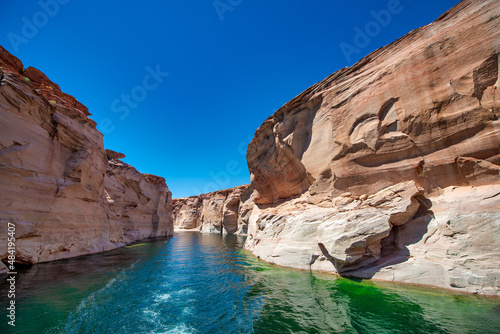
pixel 215 212
pixel 52 172
pixel 429 98
pixel 142 203
pixel 341 234
pixel 380 169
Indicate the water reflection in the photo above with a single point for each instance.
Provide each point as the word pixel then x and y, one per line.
pixel 196 283
pixel 328 304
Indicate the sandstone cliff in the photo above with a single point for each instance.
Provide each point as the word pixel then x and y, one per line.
pixel 142 203
pixel 53 174
pixel 217 212
pixel 391 168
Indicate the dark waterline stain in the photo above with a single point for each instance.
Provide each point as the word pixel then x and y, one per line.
pixel 194 283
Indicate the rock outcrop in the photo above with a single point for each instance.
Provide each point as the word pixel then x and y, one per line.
pixel 391 168
pixel 215 212
pixel 53 172
pixel 430 99
pixel 142 203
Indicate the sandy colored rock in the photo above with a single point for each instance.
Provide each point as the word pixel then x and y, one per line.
pixel 390 168
pixel 113 155
pixel 187 212
pixel 456 245
pixel 348 237
pixel 429 97
pixel 142 202
pixel 215 212
pixel 52 173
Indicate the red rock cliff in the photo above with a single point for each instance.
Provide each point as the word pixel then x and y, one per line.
pixel 390 168
pixel 54 173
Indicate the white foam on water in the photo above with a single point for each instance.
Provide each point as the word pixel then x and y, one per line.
pixel 185 291
pixel 150 315
pixel 90 299
pixel 163 297
pixel 110 283
pixel 90 304
pixel 187 311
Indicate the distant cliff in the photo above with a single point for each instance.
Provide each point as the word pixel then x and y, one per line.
pixel 58 186
pixel 221 211
pixel 391 168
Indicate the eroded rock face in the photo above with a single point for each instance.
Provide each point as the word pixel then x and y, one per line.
pixel 381 169
pixel 429 97
pixel 186 212
pixel 455 244
pixel 215 212
pixel 142 202
pixel 345 231
pixel 448 240
pixel 52 172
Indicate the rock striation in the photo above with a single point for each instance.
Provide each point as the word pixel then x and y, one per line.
pixel 142 203
pixel 65 196
pixel 216 212
pixel 391 168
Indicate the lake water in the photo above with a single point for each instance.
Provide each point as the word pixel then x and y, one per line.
pixel 195 283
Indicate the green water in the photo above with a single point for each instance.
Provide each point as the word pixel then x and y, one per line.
pixel 196 283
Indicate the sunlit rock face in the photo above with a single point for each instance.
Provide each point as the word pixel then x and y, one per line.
pixel 391 168
pixel 216 212
pixel 142 203
pixel 53 168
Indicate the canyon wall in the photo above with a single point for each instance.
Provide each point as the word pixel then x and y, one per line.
pixel 64 195
pixel 142 203
pixel 221 211
pixel 391 168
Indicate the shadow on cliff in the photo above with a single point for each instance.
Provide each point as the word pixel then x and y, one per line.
pixel 394 248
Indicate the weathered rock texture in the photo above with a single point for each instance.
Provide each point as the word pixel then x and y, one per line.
pixel 141 202
pixel 391 168
pixel 216 212
pixel 53 173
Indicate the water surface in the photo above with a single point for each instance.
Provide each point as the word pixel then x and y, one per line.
pixel 195 283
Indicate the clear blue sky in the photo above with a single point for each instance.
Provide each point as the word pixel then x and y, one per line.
pixel 230 65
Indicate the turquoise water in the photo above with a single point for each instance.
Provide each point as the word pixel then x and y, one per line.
pixel 196 283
